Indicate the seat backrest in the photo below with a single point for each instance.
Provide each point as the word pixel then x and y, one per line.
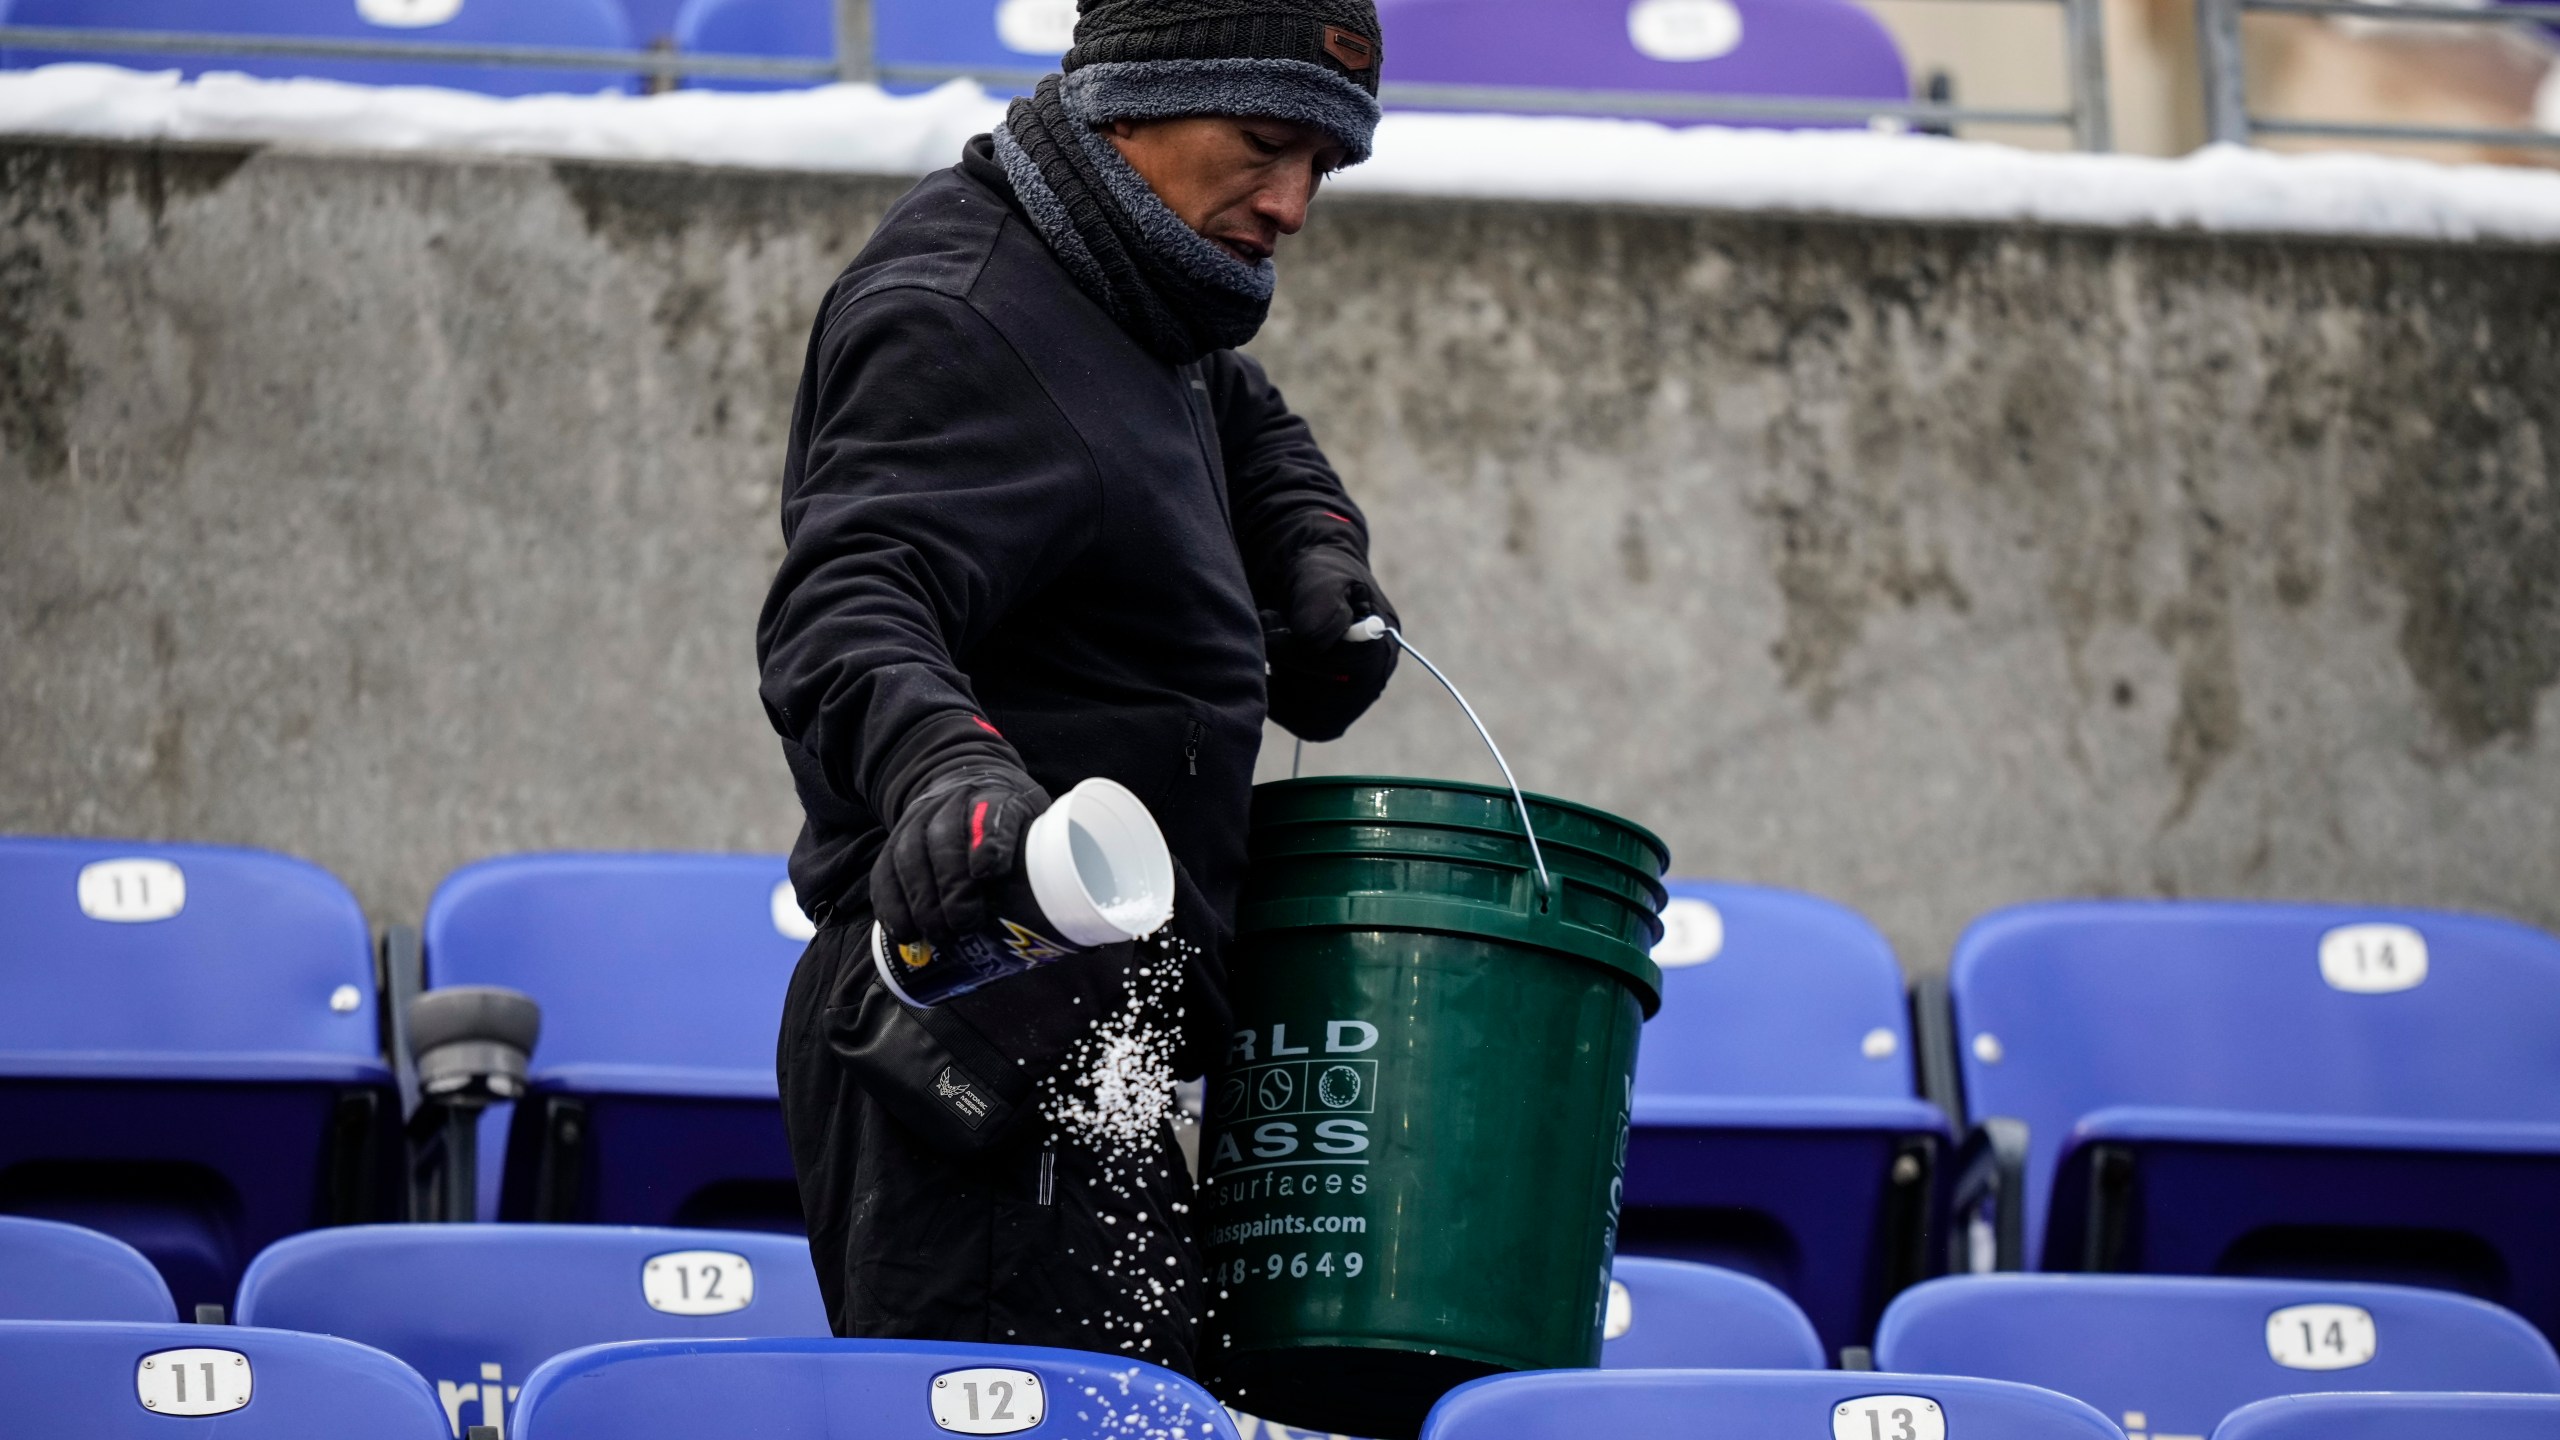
pixel 1768 993
pixel 791 29
pixel 2067 1008
pixel 856 1390
pixel 1674 1315
pixel 52 1271
pixel 477 1308
pixel 129 960
pixel 2176 1354
pixel 995 35
pixel 105 1381
pixel 651 21
pixel 1847 1405
pixel 562 24
pixel 983 37
pixel 656 973
pixel 1722 47
pixel 2396 1417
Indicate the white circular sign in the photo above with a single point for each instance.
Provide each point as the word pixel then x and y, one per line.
pixel 200 1381
pixel 2373 959
pixel 788 917
pixel 1622 1312
pixel 987 1401
pixel 1888 1417
pixel 2321 1337
pixel 407 14
pixel 1036 27
pixel 698 1282
pixel 1692 933
pixel 131 892
pixel 1684 29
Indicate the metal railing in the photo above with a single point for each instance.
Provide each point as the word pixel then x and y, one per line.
pixel 2227 116
pixel 2084 32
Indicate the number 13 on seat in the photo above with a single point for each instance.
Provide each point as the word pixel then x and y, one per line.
pixel 1888 1417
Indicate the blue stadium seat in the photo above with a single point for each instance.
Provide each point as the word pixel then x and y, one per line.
pixel 50 1271
pixel 652 22
pixel 558 24
pixel 2258 1089
pixel 1844 1404
pixel 660 979
pixel 477 1308
pixel 1672 1315
pixel 1777 1128
pixel 103 1381
pixel 2171 1356
pixel 857 1390
pixel 2396 1417
pixel 985 38
pixel 1797 48
pixel 190 1052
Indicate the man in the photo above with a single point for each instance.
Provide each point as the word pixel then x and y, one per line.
pixel 1036 510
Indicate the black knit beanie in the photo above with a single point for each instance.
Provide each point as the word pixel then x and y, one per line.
pixel 1314 62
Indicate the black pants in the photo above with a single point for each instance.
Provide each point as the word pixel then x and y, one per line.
pixel 942 1205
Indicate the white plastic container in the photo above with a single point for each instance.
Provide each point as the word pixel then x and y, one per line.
pixel 1094 871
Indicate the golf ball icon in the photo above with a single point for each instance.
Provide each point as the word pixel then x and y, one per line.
pixel 1276 1089
pixel 1338 1087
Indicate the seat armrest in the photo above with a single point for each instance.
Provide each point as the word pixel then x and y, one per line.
pixel 1991 1169
pixel 400 973
pixel 1933 1048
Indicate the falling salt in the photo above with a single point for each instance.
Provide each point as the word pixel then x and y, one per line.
pixel 1115 1093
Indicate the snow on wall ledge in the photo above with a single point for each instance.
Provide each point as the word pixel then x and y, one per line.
pixel 861 129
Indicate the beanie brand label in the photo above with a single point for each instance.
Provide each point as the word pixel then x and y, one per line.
pixel 1356 52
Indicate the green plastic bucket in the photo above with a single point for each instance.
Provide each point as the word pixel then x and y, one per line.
pixel 1415 1144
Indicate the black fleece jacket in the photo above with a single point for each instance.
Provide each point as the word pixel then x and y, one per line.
pixel 1006 519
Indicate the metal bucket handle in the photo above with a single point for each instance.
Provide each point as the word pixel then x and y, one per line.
pixel 1376 627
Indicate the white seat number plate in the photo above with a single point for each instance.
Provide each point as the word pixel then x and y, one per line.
pixel 193 1382
pixel 987 1401
pixel 129 892
pixel 1888 1417
pixel 698 1282
pixel 408 14
pixel 2373 959
pixel 1036 27
pixel 1692 934
pixel 1684 29
pixel 788 917
pixel 2321 1337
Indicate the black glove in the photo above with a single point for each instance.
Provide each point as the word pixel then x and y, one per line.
pixel 955 838
pixel 1320 682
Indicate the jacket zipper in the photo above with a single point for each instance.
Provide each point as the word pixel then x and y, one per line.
pixel 1048 1173
pixel 1191 746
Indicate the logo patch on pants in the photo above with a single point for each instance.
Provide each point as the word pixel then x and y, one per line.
pixel 956 1089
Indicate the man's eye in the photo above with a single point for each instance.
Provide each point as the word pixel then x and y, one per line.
pixel 1263 144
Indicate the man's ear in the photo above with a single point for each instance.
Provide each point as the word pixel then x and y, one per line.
pixel 1123 129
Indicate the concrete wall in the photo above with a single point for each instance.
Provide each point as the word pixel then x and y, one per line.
pixel 399 512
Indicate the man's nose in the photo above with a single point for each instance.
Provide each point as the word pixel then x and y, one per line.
pixel 1284 201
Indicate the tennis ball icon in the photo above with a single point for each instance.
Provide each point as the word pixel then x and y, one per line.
pixel 1276 1089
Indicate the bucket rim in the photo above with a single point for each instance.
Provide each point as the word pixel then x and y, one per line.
pixel 1461 920
pixel 1415 782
